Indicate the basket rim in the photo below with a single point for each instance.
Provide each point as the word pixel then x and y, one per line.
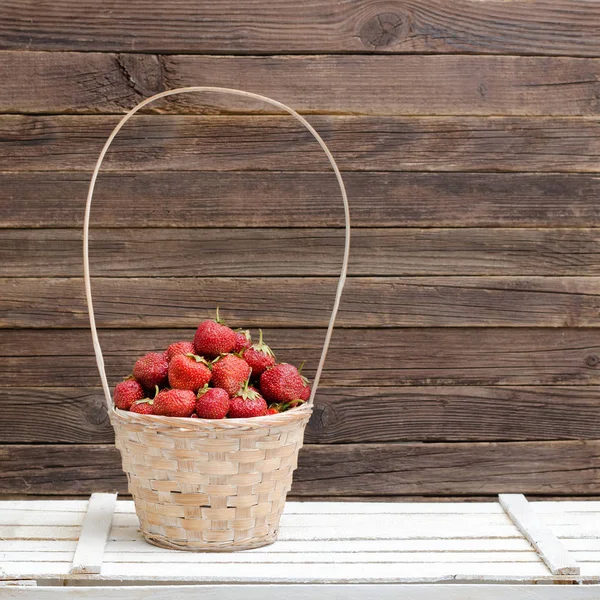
pixel 289 416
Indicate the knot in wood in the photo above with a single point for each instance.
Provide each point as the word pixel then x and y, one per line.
pixel 591 360
pixel 383 30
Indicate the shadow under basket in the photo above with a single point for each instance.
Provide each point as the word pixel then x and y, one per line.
pixel 215 485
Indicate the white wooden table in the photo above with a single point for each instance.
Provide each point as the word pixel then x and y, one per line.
pixel 64 549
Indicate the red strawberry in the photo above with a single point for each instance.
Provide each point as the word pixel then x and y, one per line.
pixel 247 403
pixel 143 407
pixel 127 392
pixel 305 394
pixel 194 416
pixel 282 383
pixel 259 356
pixel 179 348
pixel 242 341
pixel 272 411
pixel 213 338
pixel 212 403
pixel 188 372
pixel 229 373
pixel 283 406
pixel 151 370
pixel 174 403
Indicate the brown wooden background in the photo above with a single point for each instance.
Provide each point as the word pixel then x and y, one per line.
pixel 466 361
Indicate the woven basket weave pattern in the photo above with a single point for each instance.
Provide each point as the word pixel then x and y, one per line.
pixel 206 485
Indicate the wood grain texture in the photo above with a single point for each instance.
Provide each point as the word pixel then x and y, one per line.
pixel 519 27
pixel 252 199
pixel 460 469
pixel 234 143
pixel 298 251
pixel 70 82
pixel 386 357
pixel 155 302
pixel 345 414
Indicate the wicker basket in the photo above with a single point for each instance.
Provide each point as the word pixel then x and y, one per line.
pixel 201 484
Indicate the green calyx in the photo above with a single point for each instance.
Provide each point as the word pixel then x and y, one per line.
pixel 283 406
pixel 202 391
pixel 198 359
pixel 304 379
pixel 149 400
pixel 246 393
pixel 261 346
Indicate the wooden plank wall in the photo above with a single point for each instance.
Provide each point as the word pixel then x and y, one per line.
pixel 466 361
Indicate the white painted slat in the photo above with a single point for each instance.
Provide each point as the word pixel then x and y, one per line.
pixel 586 520
pixel 58 556
pixel 31 517
pixel 365 533
pixel 587 556
pixel 38 532
pixel 373 546
pixel 45 505
pixel 382 533
pixel 591 571
pixel 37 545
pixel 323 572
pixel 425 521
pixel 35 569
pixel 322 557
pixel 305 519
pixel 545 506
pixel 551 550
pixel 94 534
pixel 368 508
pixel 573 544
pixel 470 591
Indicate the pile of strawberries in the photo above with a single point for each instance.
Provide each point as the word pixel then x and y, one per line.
pixel 220 374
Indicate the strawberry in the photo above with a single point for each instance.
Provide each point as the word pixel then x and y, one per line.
pixel 194 416
pixel 179 348
pixel 145 406
pixel 213 338
pixel 282 383
pixel 305 394
pixel 188 372
pixel 151 370
pixel 212 403
pixel 283 406
pixel 127 392
pixel 142 407
pixel 243 341
pixel 259 356
pixel 229 372
pixel 175 403
pixel 247 403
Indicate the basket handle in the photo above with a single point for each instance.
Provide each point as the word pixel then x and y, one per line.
pixel 86 222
